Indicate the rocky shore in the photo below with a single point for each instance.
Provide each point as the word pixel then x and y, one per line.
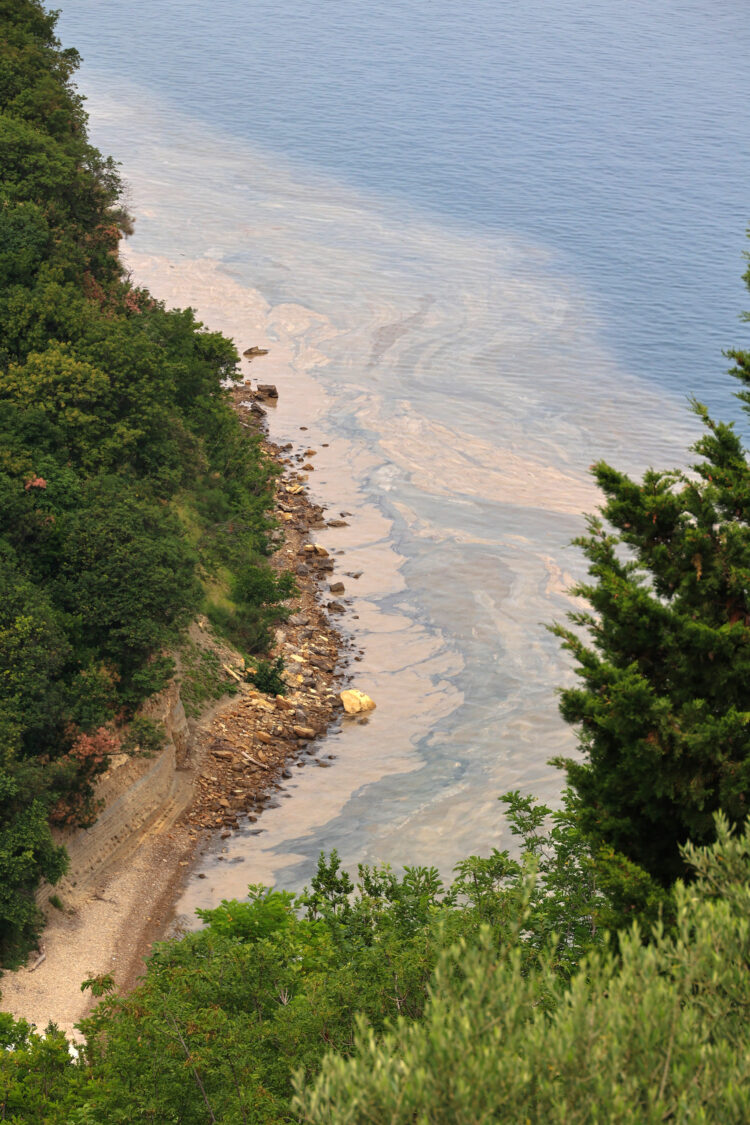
pixel 252 743
pixel 240 753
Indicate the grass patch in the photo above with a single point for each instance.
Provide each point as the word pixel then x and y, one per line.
pixel 203 679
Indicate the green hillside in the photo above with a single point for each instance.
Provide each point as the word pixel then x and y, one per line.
pixel 126 484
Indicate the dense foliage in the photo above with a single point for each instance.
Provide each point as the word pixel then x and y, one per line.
pixel 500 997
pixel 127 488
pixel 226 1016
pixel 663 708
pixel 657 1034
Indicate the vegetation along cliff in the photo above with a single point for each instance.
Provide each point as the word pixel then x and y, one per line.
pixel 130 497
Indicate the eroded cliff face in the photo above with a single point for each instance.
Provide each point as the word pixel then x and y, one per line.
pixel 138 795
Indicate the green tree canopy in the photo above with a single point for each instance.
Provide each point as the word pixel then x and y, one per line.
pixel 658 1034
pixel 663 656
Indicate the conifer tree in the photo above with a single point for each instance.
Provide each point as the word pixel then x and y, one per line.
pixel 663 707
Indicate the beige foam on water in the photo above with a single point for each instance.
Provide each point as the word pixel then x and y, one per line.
pixel 462 390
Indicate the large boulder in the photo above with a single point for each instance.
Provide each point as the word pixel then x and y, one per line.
pixel 356 701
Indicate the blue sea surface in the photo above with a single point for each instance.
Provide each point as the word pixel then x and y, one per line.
pixel 485 244
pixel 616 134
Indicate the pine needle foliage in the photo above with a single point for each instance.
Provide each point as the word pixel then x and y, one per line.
pixel 663 655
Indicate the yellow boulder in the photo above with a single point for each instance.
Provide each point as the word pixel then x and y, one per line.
pixel 355 701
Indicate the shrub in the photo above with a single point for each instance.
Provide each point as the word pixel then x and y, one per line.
pixel 267 676
pixel 144 737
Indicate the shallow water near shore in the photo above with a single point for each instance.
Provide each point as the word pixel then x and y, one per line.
pixel 463 375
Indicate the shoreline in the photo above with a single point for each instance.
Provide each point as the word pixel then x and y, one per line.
pixel 242 748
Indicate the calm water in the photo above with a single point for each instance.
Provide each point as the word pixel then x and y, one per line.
pixel 485 244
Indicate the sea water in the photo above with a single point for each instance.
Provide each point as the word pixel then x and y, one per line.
pixel 485 244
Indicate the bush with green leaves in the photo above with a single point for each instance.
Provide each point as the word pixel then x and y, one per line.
pixel 28 854
pixel 267 676
pixel 144 736
pixel 658 1033
pixel 258 596
pixel 40 1082
pixel 202 678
